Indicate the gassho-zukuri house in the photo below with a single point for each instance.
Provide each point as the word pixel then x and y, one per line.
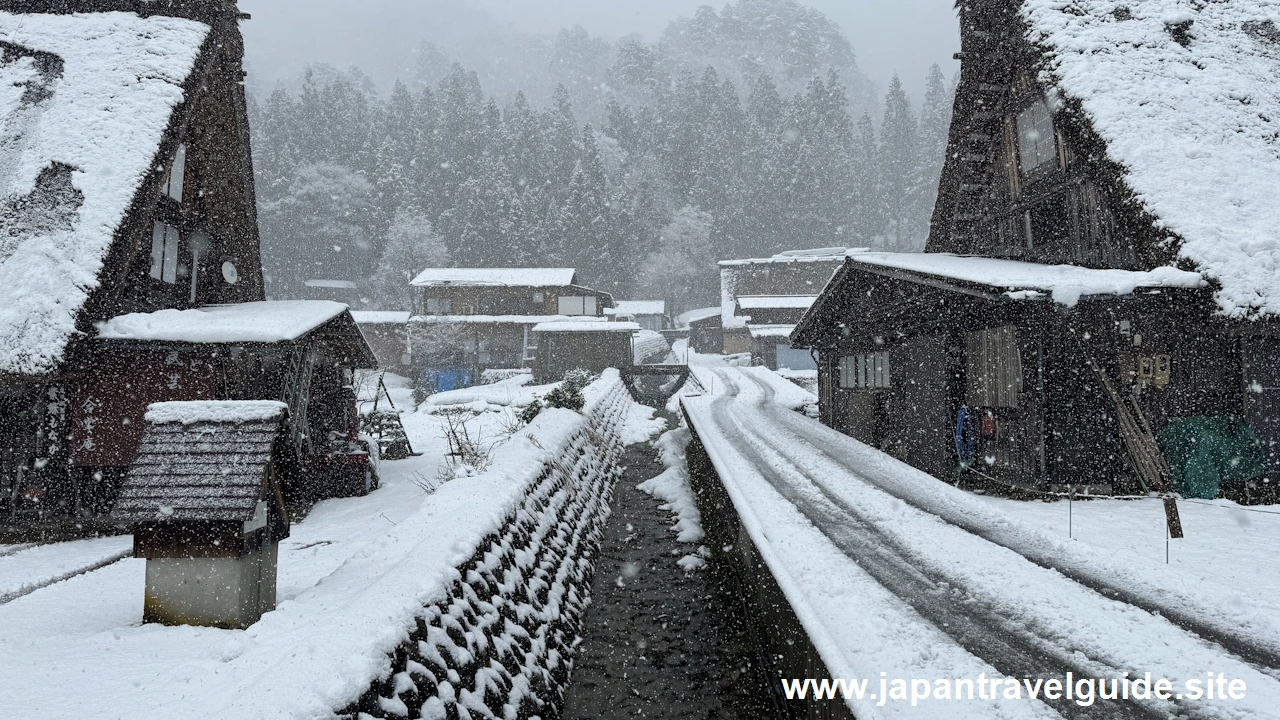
pixel 1108 217
pixel 129 259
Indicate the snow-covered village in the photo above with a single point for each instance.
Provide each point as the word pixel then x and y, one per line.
pixel 573 359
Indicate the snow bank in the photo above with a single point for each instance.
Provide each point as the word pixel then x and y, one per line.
pixel 641 424
pixel 1194 125
pixel 189 412
pixel 103 115
pixel 674 489
pixel 265 322
pixel 329 638
pixel 504 636
pixel 649 346
pixel 513 392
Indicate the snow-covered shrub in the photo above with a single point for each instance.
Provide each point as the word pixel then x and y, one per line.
pixel 468 452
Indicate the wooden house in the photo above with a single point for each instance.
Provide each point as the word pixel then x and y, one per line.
pixel 469 320
pixel 576 345
pixel 1101 265
pixel 648 314
pixel 772 318
pixel 794 273
pixel 387 333
pixel 205 501
pixel 128 192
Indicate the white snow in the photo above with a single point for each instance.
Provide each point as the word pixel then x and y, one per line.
pixel 265 322
pixel 513 392
pixel 122 79
pixel 376 317
pixel 353 576
pixel 986 554
pixel 24 569
pixel 792 256
pixel 1066 283
pixel 776 302
pixel 332 284
pixel 684 318
pixel 1228 548
pixel 579 326
pixel 674 489
pixel 500 319
pixel 641 424
pixel 638 307
pixel 509 277
pixel 189 412
pixel 776 332
pixel 649 344
pixel 1195 128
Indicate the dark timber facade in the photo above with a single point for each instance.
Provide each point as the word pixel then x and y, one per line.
pixel 71 423
pixel 940 367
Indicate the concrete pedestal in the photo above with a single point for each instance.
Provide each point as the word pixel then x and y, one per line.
pixel 226 592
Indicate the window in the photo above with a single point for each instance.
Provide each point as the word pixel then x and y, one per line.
pixel 865 371
pixel 994 368
pixel 1036 143
pixel 201 244
pixel 176 177
pixel 164 253
pixel 439 306
pixel 577 305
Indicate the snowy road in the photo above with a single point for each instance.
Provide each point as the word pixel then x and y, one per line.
pixel 892 571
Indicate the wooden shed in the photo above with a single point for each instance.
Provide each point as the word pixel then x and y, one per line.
pixel 593 346
pixel 205 503
pixel 1101 265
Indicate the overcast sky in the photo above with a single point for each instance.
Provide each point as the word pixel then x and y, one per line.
pixel 905 36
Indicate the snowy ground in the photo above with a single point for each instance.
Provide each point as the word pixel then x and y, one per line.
pixel 892 571
pixel 1228 548
pixel 351 577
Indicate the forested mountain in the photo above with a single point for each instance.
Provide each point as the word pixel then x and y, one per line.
pixel 672 171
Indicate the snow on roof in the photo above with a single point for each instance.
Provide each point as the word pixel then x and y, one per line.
pixel 684 318
pixel 379 317
pixel 792 256
pixel 770 331
pixel 335 284
pixel 772 302
pixel 638 307
pixel 1195 126
pixel 510 277
pixel 499 319
pixel 1067 283
pixel 579 326
pixel 85 101
pixel 254 322
pixel 216 411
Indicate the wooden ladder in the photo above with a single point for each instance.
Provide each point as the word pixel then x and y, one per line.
pixel 1148 460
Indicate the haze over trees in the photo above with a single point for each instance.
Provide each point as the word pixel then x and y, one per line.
pixel 740 133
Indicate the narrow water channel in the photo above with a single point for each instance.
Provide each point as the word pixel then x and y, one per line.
pixel 659 642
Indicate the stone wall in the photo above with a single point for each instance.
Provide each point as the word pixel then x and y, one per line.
pixel 501 645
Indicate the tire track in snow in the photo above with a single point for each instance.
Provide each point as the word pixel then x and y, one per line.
pixel 1004 642
pixel 1264 659
pixel 29 588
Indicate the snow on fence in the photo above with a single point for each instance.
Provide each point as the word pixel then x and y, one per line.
pixel 500 645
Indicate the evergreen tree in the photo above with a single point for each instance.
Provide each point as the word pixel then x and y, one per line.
pixel 900 182
pixel 411 246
